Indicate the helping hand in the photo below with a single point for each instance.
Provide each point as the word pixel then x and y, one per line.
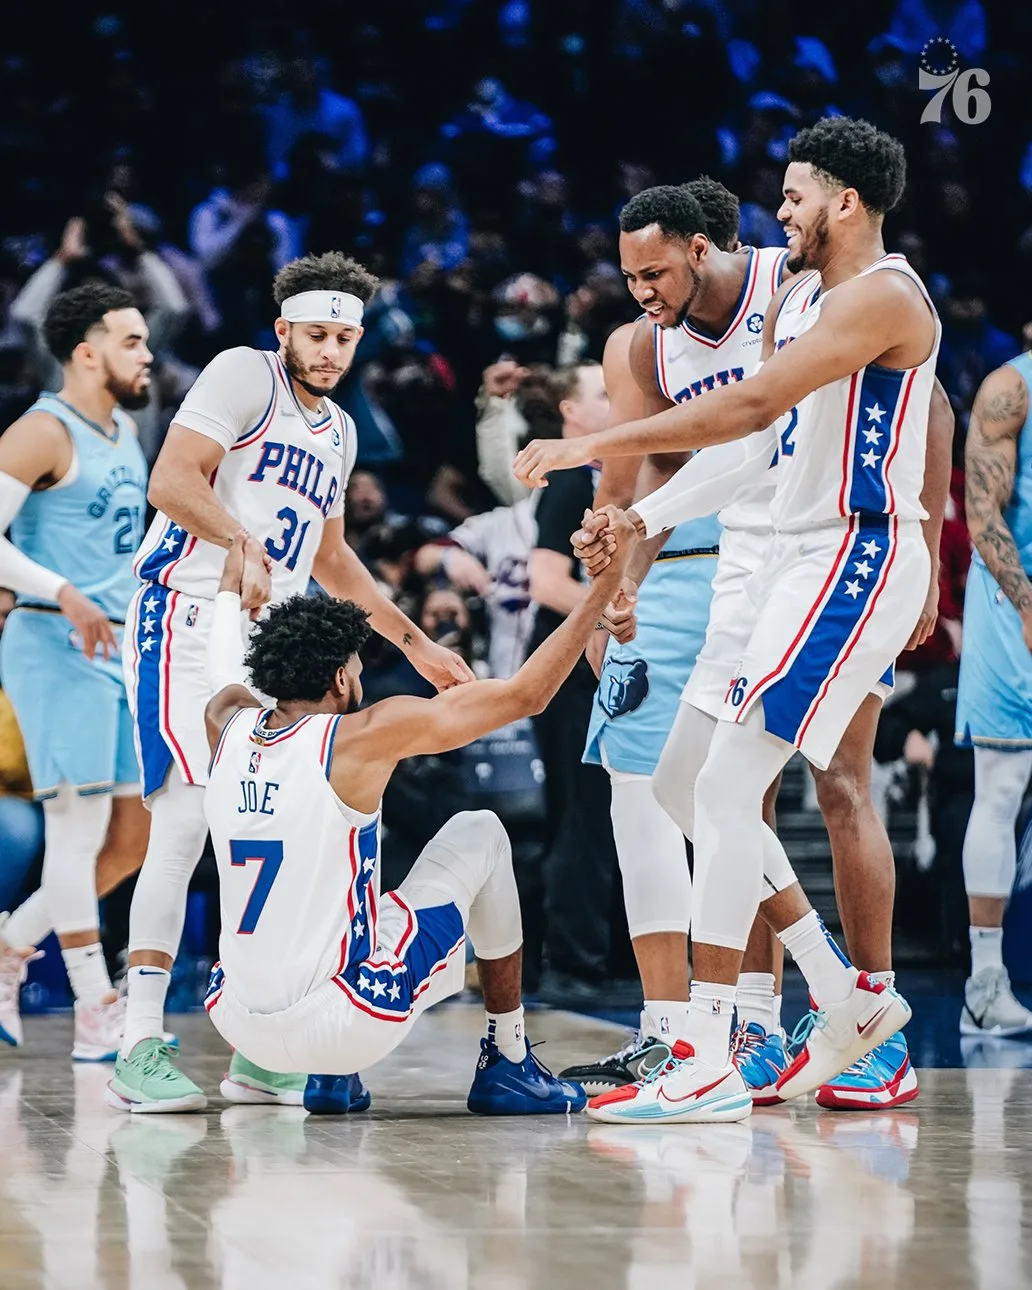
pixel 540 456
pixel 248 571
pixel 442 667
pixel 619 617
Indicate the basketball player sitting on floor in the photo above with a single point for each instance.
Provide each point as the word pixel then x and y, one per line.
pixel 317 972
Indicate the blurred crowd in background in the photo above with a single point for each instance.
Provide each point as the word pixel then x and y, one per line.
pixel 475 154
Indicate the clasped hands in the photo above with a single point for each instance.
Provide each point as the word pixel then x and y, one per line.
pixel 593 545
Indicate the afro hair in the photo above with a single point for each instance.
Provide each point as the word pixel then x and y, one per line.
pixel 296 652
pixel 854 154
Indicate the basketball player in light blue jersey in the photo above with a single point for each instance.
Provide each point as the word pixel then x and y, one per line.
pixel 994 699
pixel 73 484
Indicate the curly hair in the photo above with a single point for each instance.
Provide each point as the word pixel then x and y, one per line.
pixel 333 271
pixel 854 154
pixel 74 313
pixel 720 211
pixel 295 652
pixel 671 206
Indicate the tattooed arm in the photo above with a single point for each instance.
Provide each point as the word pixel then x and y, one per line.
pixel 990 458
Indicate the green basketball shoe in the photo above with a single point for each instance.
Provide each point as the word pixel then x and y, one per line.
pixel 246 1082
pixel 148 1081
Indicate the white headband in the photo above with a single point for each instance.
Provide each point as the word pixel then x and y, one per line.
pixel 323 307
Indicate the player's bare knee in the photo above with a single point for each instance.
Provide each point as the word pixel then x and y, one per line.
pixel 841 794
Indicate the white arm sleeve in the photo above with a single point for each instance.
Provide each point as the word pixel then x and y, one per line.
pixel 230 396
pixel 708 482
pixel 17 572
pixel 225 661
pixel 500 427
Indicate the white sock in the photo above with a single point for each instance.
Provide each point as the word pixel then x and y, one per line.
pixel 755 999
pixel 29 924
pixel 87 972
pixel 665 1019
pixel 709 1021
pixel 776 1012
pixel 986 948
pixel 145 1006
pixel 884 978
pixel 828 972
pixel 507 1031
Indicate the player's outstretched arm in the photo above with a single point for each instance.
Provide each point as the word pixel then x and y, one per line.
pixel 405 727
pixel 990 458
pixel 36 452
pixel 225 662
pixel 934 496
pixel 339 571
pixel 881 317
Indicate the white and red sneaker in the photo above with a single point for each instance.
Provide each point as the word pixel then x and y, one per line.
pixel 841 1033
pixel 98 1030
pixel 683 1090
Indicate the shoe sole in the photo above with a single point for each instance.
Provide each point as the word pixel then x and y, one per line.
pixel 7 1038
pixel 767 1097
pixel 720 1110
pixel 93 1055
pixel 247 1095
pixel 568 1106
pixel 168 1106
pixel 332 1106
pixel 996 1032
pixel 809 1077
pixel 832 1100
pixel 593 1087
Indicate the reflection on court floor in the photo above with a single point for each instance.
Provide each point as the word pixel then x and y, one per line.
pixel 417 1193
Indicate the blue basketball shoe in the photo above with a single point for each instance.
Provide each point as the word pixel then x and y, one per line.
pixel 882 1078
pixel 761 1061
pixel 335 1095
pixel 502 1087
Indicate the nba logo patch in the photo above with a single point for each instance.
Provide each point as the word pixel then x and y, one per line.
pixel 335 306
pixel 191 615
pixel 255 762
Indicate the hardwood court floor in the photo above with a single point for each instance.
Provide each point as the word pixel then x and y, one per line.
pixel 418 1194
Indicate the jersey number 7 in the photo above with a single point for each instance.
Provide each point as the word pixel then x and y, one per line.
pixel 269 856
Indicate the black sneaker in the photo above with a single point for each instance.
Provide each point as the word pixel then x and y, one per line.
pixel 641 1054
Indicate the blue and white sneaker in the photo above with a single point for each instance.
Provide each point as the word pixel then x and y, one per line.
pixel 761 1060
pixel 502 1087
pixel 883 1078
pixel 682 1091
pixel 335 1095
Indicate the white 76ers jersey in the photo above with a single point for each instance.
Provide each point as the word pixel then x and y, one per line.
pixel 298 869
pixel 857 445
pixel 283 475
pixel 688 363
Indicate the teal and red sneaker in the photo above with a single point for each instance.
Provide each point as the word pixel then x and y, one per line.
pixel 883 1078
pixel 502 1087
pixel 761 1061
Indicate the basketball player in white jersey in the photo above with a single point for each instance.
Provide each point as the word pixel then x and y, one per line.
pixel 850 352
pixel 665 364
pixel 317 970
pixel 258 448
pixel 701 328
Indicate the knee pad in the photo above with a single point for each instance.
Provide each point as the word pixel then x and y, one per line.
pixel 75 828
pixel 657 885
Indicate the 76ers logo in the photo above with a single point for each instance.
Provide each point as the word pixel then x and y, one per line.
pixel 736 691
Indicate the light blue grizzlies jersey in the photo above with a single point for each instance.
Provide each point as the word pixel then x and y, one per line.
pixel 87 527
pixel 641 682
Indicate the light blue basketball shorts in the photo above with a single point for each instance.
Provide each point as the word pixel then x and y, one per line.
pixel 73 713
pixel 641 682
pixel 994 695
